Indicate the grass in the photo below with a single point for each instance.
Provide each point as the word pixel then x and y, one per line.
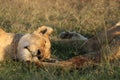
pixel 87 17
pixel 16 70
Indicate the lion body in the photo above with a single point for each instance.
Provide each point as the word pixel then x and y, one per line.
pixel 29 47
pixel 5 43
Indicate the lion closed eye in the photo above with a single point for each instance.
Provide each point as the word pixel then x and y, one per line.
pixel 29 47
pixel 36 45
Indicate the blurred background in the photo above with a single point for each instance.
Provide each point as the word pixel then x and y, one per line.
pixel 83 16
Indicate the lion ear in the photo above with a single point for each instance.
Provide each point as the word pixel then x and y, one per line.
pixel 44 30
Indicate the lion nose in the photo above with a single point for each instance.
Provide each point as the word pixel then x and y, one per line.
pixel 38 52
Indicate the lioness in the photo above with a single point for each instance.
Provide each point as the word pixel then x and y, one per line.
pixel 31 47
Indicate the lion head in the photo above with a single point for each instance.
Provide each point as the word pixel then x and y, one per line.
pixel 35 46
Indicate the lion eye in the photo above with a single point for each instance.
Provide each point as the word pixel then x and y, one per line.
pixel 38 52
pixel 26 47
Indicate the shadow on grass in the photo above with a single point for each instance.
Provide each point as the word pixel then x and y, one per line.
pixel 66 49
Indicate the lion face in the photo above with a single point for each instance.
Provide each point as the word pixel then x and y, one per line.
pixel 35 46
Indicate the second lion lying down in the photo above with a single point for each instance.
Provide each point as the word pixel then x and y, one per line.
pixel 32 47
pixel 103 46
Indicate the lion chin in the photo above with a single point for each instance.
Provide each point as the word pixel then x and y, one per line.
pixel 31 47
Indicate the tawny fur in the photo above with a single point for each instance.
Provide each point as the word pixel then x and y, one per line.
pixel 25 47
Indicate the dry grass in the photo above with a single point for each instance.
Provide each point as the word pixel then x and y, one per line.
pixel 87 17
pixel 83 16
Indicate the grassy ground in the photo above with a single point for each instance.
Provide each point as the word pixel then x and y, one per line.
pixel 87 17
